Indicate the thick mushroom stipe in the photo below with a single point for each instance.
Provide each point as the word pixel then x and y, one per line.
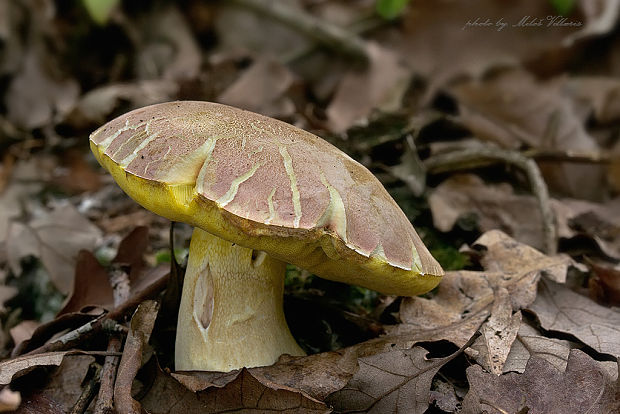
pixel 260 183
pixel 234 297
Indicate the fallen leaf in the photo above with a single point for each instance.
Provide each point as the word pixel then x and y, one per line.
pixel 225 392
pixel 465 299
pixel 11 368
pixel 64 385
pixel 55 238
pixel 518 260
pixel 261 88
pixel 559 309
pixel 530 343
pixel 379 86
pixel 395 381
pixel 140 329
pixel 499 332
pixel 513 109
pixel 91 286
pixel 584 387
pixel 495 206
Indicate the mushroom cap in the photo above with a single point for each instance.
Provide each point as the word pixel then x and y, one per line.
pixel 266 185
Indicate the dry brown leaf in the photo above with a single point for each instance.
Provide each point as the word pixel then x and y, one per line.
pixel 261 88
pixel 495 206
pixel 379 86
pixel 11 368
pixel 465 298
pixel 499 332
pixel 513 109
pixel 91 286
pixel 55 238
pixel 584 387
pixel 530 343
pixel 559 309
pixel 519 262
pixel 65 383
pixel 140 329
pixel 225 392
pixel 38 403
pixel 398 381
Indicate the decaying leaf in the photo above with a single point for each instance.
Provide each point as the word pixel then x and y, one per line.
pixel 55 238
pixel 465 299
pixel 584 387
pixel 224 392
pixel 396 381
pixel 499 332
pixel 21 365
pixel 560 309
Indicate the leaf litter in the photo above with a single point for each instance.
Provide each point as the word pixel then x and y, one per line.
pixel 536 332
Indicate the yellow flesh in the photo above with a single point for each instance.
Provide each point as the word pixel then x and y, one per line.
pixel 231 309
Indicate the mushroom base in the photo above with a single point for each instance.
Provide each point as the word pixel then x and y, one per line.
pixel 231 312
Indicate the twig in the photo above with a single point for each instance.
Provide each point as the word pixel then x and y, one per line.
pixel 333 37
pixel 119 280
pixel 89 391
pixel 569 156
pixel 463 158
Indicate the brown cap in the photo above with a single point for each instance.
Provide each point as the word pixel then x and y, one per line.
pixel 267 185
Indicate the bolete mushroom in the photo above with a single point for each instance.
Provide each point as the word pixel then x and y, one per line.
pixel 260 193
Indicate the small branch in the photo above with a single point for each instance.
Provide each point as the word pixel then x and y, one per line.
pixel 463 159
pixel 119 280
pixel 331 36
pixel 569 156
pixel 89 391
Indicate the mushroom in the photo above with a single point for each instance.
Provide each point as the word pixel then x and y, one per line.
pixel 260 193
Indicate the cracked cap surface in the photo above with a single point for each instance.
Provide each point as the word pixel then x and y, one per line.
pixel 266 185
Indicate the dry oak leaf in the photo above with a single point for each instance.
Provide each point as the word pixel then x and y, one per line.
pixel 559 309
pixel 11 368
pixel 465 299
pixel 398 381
pixel 237 391
pixel 584 387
